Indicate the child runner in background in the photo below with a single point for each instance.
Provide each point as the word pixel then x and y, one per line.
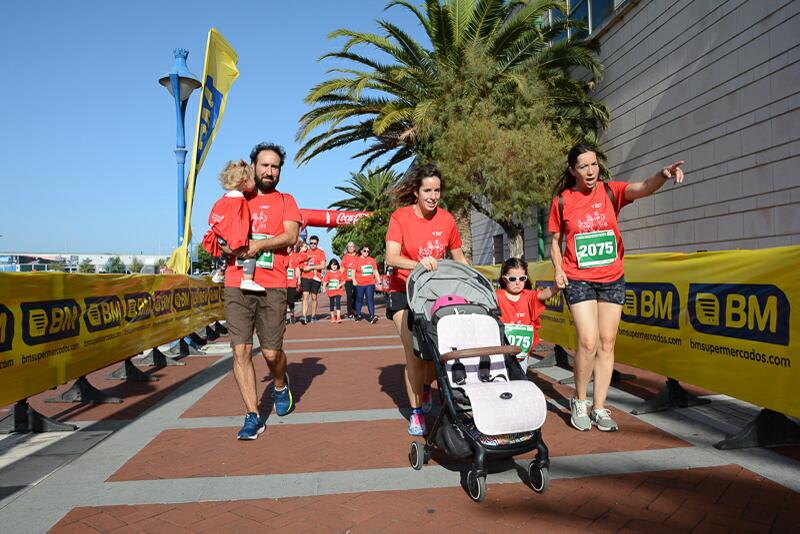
pixel 230 222
pixel 333 284
pixel 520 307
pixel 292 281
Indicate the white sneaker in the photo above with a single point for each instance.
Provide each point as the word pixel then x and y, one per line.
pixel 249 285
pixel 219 277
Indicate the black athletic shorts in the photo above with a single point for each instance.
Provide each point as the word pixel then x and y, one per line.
pixel 309 285
pixel 395 302
pixel 291 296
pixel 580 290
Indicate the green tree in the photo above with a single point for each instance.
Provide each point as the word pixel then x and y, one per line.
pixel 367 191
pixel 369 231
pixel 136 265
pixel 204 263
pixel 115 265
pixel 86 266
pixel 57 265
pixel 498 142
pixel 389 98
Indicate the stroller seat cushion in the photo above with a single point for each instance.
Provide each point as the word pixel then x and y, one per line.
pixel 506 407
pixel 467 331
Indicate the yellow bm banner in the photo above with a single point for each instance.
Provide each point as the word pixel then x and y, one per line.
pixel 55 327
pixel 720 320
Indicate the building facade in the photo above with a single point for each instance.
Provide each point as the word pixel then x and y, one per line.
pixel 715 83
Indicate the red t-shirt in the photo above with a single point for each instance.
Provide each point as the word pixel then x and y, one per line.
pixel 291 272
pixel 313 257
pixel 589 212
pixel 349 265
pixel 525 311
pixel 230 219
pixel 420 237
pixel 267 214
pixel 366 269
pixel 333 282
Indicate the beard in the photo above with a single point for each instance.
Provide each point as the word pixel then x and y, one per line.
pixel 265 185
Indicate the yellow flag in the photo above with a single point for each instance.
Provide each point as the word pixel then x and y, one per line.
pixel 219 74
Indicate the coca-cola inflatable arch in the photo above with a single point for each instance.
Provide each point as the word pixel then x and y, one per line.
pixel 331 218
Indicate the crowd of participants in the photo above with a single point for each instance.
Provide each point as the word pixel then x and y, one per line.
pixel 255 231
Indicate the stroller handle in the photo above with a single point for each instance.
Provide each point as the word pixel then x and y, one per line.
pixel 479 352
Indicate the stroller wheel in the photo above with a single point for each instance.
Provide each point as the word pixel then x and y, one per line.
pixel 417 456
pixel 476 486
pixel 538 477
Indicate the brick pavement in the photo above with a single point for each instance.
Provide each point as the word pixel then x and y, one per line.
pixel 353 475
pixel 721 499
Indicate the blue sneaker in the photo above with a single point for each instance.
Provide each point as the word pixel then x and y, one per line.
pixel 253 426
pixel 284 403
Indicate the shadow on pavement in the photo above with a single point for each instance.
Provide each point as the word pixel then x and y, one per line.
pixel 301 375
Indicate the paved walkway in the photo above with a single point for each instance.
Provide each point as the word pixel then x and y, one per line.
pixel 166 460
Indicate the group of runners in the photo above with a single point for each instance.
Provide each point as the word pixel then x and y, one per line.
pixel 587 255
pixel 355 278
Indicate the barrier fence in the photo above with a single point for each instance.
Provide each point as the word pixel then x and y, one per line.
pixel 719 320
pixel 55 327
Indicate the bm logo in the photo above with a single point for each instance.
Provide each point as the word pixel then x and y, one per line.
pixel 181 299
pixel 652 304
pixel 759 312
pixel 103 313
pixel 6 328
pixel 556 303
pixel 162 302
pixel 50 320
pixel 138 307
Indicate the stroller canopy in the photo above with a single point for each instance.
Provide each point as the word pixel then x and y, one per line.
pixel 451 278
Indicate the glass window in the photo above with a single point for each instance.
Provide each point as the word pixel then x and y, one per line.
pixel 499 253
pixel 556 15
pixel 601 10
pixel 580 12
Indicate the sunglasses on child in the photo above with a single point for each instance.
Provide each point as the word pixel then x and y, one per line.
pixel 364 250
pixel 516 278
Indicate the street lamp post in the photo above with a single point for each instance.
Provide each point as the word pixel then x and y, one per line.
pixel 180 83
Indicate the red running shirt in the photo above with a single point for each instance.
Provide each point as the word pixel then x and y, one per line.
pixel 267 214
pixel 366 269
pixel 313 257
pixel 589 212
pixel 230 219
pixel 525 311
pixel 349 265
pixel 291 270
pixel 333 282
pixel 420 237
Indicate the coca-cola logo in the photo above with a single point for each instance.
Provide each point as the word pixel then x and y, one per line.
pixel 344 218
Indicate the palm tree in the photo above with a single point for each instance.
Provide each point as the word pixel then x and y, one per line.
pixel 392 105
pixel 389 104
pixel 367 192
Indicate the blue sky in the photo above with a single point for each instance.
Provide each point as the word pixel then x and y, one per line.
pixel 87 140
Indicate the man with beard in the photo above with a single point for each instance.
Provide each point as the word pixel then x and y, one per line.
pixel 275 225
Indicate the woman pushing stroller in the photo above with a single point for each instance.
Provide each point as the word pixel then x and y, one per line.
pixel 420 233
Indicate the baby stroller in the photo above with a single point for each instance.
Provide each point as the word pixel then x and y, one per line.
pixel 490 410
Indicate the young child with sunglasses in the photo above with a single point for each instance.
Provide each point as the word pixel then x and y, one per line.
pixel 520 307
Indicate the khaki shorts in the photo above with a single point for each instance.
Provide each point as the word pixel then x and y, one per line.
pixel 266 313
